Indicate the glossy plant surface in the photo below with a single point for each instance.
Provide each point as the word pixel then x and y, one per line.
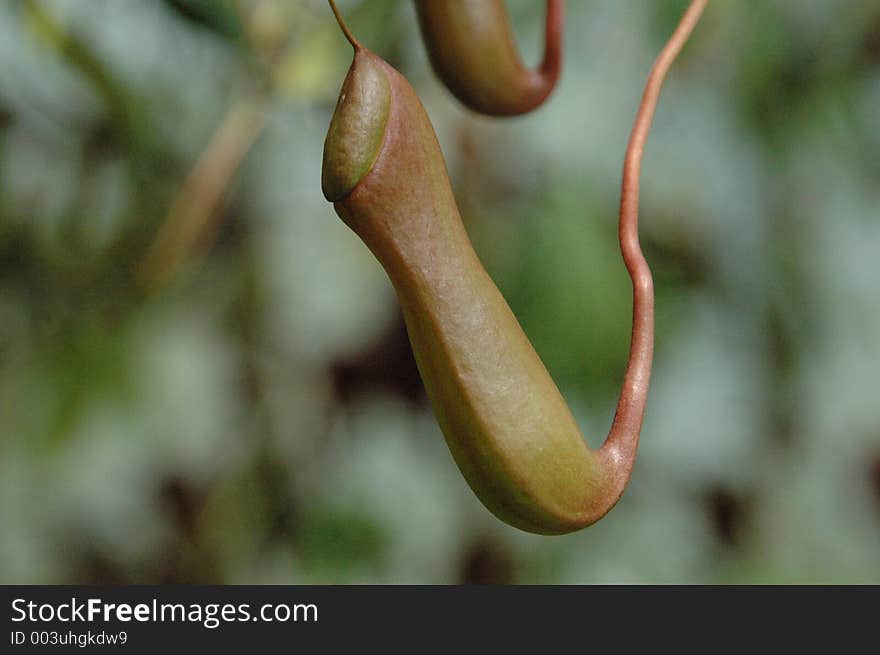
pixel 506 424
pixel 471 47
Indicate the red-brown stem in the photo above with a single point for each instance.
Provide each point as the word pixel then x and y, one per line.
pixel 342 25
pixel 619 450
pixel 552 63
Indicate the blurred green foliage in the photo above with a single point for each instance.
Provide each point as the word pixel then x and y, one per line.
pixel 253 413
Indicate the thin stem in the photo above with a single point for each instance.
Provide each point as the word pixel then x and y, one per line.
pixel 195 212
pixel 620 447
pixel 553 29
pixel 348 35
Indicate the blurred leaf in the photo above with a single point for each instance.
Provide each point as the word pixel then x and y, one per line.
pixel 218 16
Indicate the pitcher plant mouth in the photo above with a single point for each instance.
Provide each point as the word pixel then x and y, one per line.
pixel 357 128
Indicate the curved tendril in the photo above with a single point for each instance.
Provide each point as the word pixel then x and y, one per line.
pixel 552 63
pixel 347 32
pixel 620 445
